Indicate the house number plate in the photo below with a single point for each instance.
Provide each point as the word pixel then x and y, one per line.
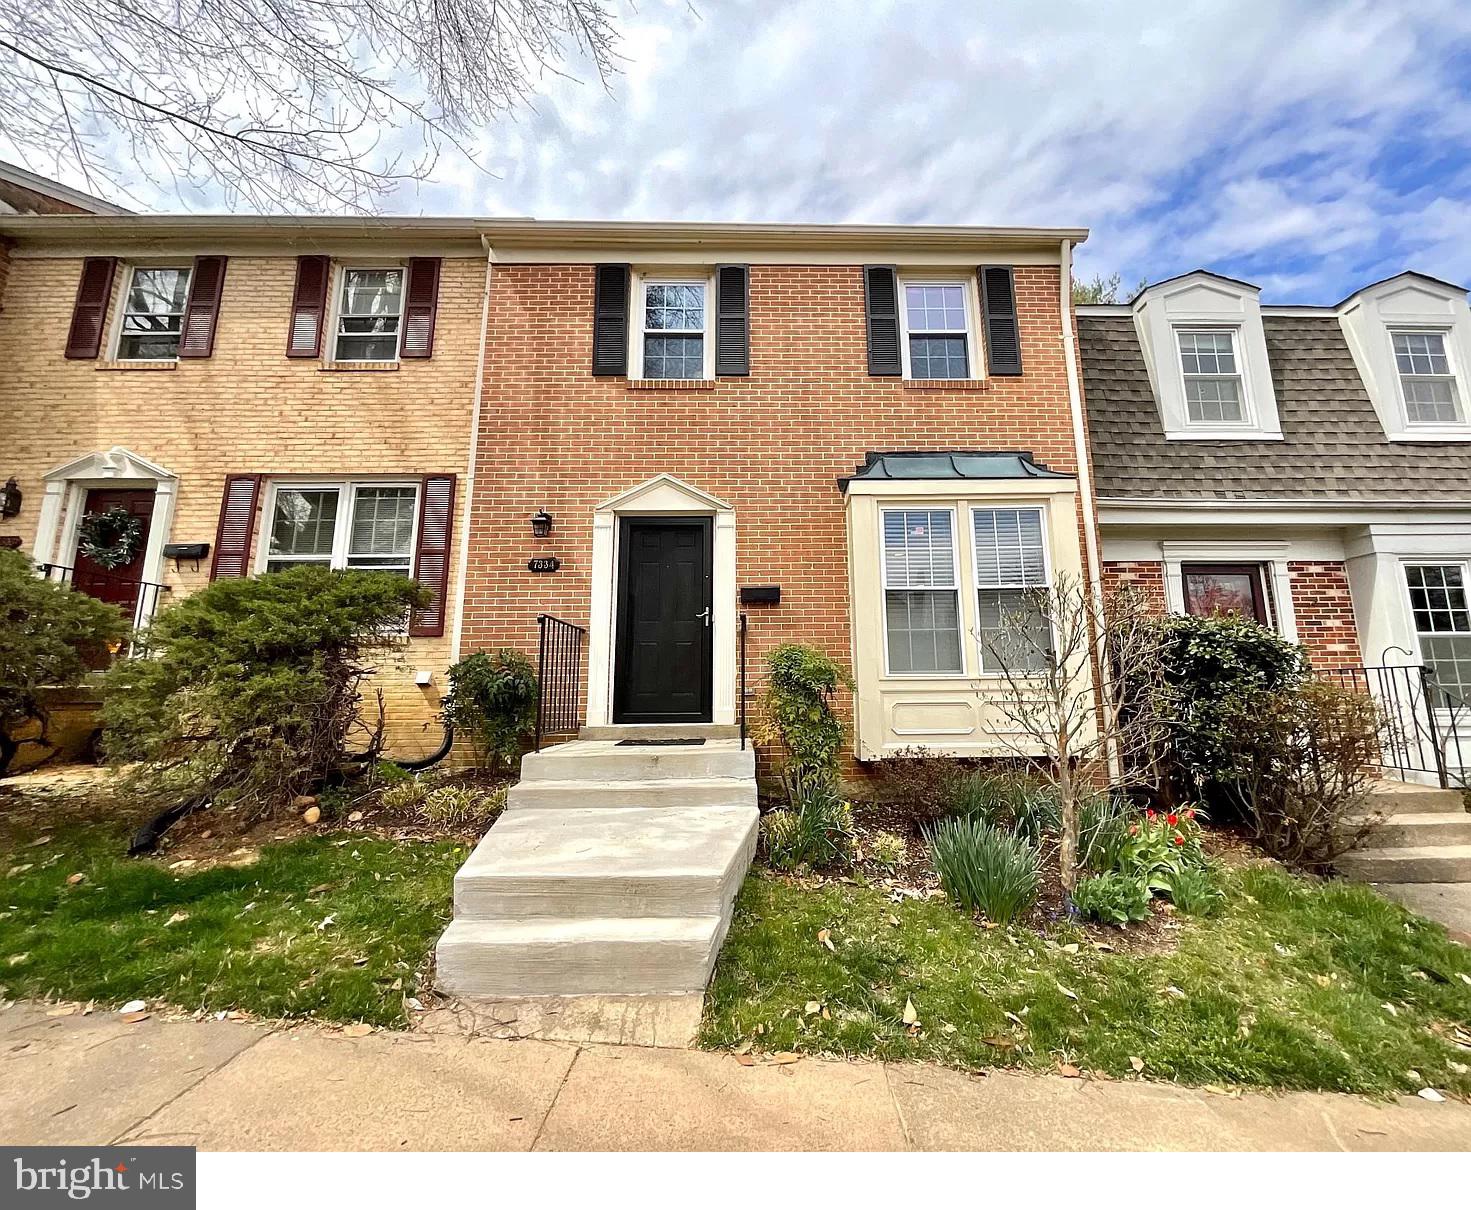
pixel 545 563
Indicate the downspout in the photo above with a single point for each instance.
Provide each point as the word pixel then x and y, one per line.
pixel 1080 430
pixel 457 631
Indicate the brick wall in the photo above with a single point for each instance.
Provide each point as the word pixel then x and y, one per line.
pixel 248 408
pixel 1324 607
pixel 772 444
pixel 1144 578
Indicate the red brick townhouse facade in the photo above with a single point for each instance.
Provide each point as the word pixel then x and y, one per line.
pixel 877 429
pixel 1306 465
pixel 866 438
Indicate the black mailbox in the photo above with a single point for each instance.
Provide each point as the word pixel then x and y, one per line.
pixel 761 594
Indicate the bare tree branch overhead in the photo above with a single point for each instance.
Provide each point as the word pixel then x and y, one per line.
pixel 276 104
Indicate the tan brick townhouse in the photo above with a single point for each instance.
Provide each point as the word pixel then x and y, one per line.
pixel 867 438
pixel 255 391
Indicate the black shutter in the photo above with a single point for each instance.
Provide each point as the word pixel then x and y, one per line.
pixel 881 295
pixel 732 320
pixel 998 314
pixel 610 322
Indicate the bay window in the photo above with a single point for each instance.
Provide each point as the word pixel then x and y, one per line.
pixel 921 591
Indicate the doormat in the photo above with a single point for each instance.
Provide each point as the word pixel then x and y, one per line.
pixel 658 743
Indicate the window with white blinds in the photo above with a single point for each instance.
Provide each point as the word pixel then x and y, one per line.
pixel 1011 584
pixel 921 591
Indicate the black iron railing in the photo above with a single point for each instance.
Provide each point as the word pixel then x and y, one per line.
pixel 558 676
pixel 741 636
pixel 1425 728
pixel 137 599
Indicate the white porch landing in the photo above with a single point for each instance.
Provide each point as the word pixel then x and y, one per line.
pixel 611 874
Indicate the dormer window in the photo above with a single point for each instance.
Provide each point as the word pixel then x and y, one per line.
pixel 1426 378
pixel 1208 360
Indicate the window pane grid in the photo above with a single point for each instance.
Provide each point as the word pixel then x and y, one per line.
pixel 375 531
pixel 368 314
pixel 1442 612
pixel 153 316
pixel 674 330
pixel 1015 633
pixel 937 330
pixel 1425 377
pixel 1212 378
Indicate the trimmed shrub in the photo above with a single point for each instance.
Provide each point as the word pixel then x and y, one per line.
pixel 1113 898
pixel 253 691
pixel 50 636
pixel 797 709
pixel 985 869
pixel 815 831
pixel 492 703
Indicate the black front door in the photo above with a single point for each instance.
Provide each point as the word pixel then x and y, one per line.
pixel 663 671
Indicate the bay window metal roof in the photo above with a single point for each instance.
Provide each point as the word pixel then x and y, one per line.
pixel 949 464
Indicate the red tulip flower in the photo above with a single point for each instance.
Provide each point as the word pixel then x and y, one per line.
pixel 1179 839
pixel 1174 819
pixel 1149 814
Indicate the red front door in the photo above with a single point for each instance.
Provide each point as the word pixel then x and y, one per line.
pixel 119 585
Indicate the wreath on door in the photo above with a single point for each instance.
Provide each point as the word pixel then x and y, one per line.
pixel 110 539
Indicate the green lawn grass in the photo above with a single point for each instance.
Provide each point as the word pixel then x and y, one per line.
pixel 1296 984
pixel 334 926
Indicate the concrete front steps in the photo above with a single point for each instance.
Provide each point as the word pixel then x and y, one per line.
pixel 1425 836
pixel 611 874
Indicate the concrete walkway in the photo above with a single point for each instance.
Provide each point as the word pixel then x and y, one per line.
pixel 233 1086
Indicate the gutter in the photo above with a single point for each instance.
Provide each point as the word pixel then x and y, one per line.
pixel 457 632
pixel 1080 432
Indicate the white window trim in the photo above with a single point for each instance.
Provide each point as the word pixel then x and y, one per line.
pixel 641 279
pixel 1272 557
pixel 957 588
pixel 1430 427
pixel 342 533
pixel 974 358
pixel 334 312
pixel 978 587
pixel 1202 429
pixel 115 337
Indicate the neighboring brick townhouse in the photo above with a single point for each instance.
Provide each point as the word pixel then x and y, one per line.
pixel 257 392
pixel 1309 466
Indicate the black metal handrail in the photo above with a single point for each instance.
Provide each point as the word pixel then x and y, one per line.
pixel 558 676
pixel 144 596
pixel 1414 737
pixel 741 632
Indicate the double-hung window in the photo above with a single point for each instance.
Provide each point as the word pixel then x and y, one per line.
pixel 1212 372
pixel 1441 607
pixel 363 525
pixel 936 330
pixel 1011 589
pixel 153 314
pixel 673 328
pixel 1426 378
pixel 369 314
pixel 921 591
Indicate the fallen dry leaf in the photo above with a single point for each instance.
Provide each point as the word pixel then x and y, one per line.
pixel 74 879
pixel 358 1029
pixel 1136 1062
pixel 911 1017
pixel 893 921
pixel 1068 1070
pixel 134 1018
pixel 1429 1094
pixel 745 1060
pixel 133 1006
pixel 176 918
pixel 39 841
pixel 1070 948
pixel 785 1057
pixel 825 937
pixel 64 1010
pixel 1065 992
pixel 1000 1042
pixel 813 1006
pixel 17 959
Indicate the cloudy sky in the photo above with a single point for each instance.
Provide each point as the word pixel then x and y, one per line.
pixel 1307 147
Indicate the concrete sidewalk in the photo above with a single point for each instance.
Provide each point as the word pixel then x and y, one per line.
pixel 233 1086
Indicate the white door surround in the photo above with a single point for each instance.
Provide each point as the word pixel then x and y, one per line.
pixel 66 493
pixel 661 496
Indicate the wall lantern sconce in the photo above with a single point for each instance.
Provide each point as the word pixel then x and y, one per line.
pixel 541 524
pixel 10 498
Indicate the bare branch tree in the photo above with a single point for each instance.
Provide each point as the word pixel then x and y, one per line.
pixel 278 104
pixel 1081 695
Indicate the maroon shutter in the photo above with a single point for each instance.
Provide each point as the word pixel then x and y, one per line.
pixel 203 310
pixel 420 301
pixel 237 527
pixel 308 305
pixel 431 561
pixel 89 312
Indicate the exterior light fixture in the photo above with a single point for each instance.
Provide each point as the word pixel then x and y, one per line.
pixel 541 524
pixel 10 498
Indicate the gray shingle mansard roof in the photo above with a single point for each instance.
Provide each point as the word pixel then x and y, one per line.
pixel 1333 446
